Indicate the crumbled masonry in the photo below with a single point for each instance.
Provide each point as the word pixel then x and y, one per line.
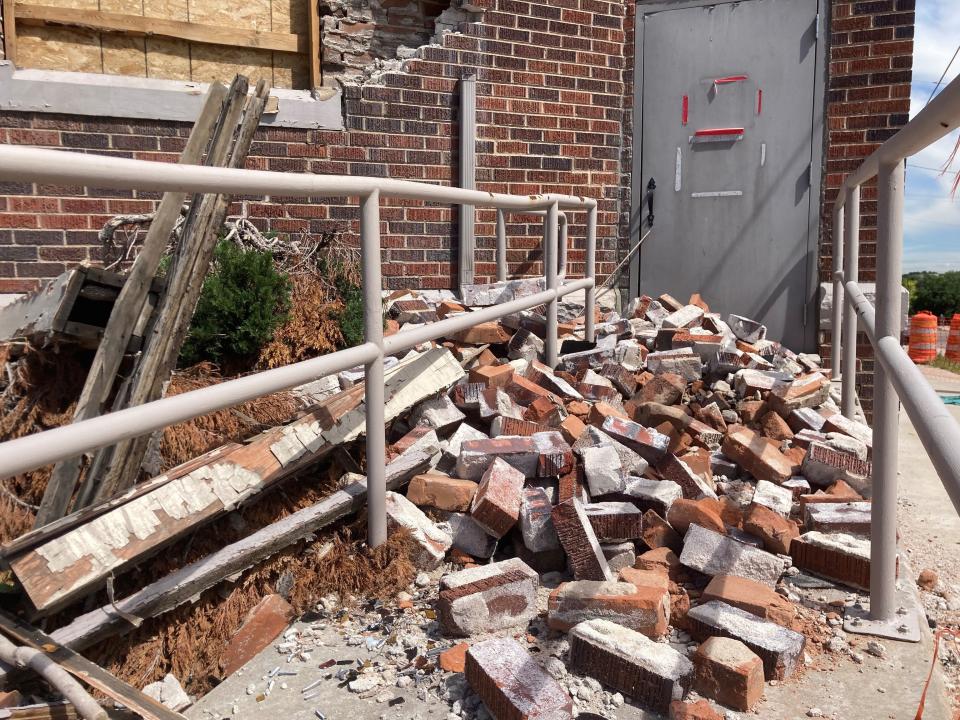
pixel 625 525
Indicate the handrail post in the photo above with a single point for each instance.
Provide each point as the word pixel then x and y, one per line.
pixel 373 376
pixel 562 271
pixel 837 315
pixel 883 526
pixel 501 245
pixel 550 238
pixel 590 271
pixel 851 272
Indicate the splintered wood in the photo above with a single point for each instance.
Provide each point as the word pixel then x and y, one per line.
pixel 58 567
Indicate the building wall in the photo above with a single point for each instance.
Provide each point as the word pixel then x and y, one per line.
pixel 555 86
pixel 550 99
pixel 871 61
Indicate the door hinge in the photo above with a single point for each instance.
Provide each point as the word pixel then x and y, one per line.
pixel 804 314
pixel 817 27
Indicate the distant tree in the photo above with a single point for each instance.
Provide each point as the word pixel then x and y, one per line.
pixel 938 293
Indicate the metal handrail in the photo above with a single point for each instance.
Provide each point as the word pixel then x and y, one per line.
pixel 896 377
pixel 66 168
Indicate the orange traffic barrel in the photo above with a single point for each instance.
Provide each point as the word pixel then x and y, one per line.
pixel 923 337
pixel 953 339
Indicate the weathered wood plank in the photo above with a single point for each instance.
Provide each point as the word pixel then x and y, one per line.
pixel 185 584
pixel 90 673
pixel 9 31
pixel 77 562
pixel 314 47
pixel 126 311
pixel 140 26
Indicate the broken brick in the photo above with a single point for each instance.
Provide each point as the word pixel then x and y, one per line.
pixel 487 333
pixel 536 521
pixel 644 608
pixel 492 375
pixel 476 456
pixel 615 521
pixel 432 542
pixel 699 710
pixel 775 427
pixel 580 542
pixel 601 411
pixel 754 597
pixel 692 485
pixel 657 533
pixel 555 454
pixel 774 529
pixel 441 492
pixel 487 598
pixel 653 674
pixel 512 684
pixel 852 518
pixel 729 672
pixel 757 456
pixel 572 428
pixel 511 426
pixel 544 411
pixel 823 466
pixel 780 648
pixel 714 554
pixel 840 557
pixel 705 513
pixel 265 621
pixel 455 659
pixel 496 505
pixel 649 444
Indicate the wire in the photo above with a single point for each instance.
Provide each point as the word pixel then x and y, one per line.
pixel 932 169
pixel 945 71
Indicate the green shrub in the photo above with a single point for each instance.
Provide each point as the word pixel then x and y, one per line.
pixel 244 299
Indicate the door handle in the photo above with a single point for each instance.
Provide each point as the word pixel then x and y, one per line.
pixel 651 186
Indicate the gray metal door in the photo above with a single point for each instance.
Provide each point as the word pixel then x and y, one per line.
pixel 730 127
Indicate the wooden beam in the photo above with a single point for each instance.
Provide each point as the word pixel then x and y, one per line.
pixel 188 582
pixel 126 311
pixel 84 670
pixel 316 79
pixel 10 31
pixel 72 564
pixel 139 25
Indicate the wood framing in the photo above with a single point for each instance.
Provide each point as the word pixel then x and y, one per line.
pixel 9 30
pixel 140 26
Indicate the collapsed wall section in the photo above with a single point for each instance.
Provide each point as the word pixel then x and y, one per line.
pixel 550 101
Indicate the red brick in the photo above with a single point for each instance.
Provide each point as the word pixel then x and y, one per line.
pixel 572 428
pixel 665 389
pixel 512 684
pixel 756 455
pixel 705 512
pixel 262 625
pixel 601 411
pixel 442 492
pixel 775 427
pixel 580 542
pixel 642 607
pixel 729 672
pixel 454 659
pixel 752 596
pixel 775 530
pixel 492 375
pixel 657 533
pixel 699 710
pixel 496 506
pixel 487 598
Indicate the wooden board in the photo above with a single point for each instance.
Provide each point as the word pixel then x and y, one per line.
pixel 170 39
pixel 187 583
pixel 86 671
pixel 77 562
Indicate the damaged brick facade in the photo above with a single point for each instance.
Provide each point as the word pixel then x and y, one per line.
pixel 554 93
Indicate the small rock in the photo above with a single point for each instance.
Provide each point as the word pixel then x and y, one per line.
pixel 404 681
pixel 363 684
pixel 857 658
pixel 876 649
pixel 617 700
pixel 814 712
pixel 385 696
pixel 927 580
pixel 555 667
pixel 422 580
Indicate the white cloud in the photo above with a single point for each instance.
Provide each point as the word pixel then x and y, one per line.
pixel 932 217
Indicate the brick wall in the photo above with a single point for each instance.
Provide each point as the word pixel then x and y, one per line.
pixel 550 99
pixel 871 60
pixel 555 85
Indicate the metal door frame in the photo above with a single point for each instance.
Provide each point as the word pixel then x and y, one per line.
pixel 817 156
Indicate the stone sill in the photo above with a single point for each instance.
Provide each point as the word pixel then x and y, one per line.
pixel 118 96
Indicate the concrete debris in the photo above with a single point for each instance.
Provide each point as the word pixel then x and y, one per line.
pixel 487 598
pixel 714 554
pixel 169 693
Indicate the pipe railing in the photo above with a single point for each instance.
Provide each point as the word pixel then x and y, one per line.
pixel 65 168
pixel 896 377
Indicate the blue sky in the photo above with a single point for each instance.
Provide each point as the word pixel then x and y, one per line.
pixel 932 217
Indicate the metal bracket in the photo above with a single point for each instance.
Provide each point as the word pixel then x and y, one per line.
pixel 906 625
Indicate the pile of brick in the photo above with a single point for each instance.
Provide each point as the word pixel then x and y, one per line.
pixel 673 472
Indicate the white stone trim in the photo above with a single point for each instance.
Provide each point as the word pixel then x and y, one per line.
pixel 75 93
